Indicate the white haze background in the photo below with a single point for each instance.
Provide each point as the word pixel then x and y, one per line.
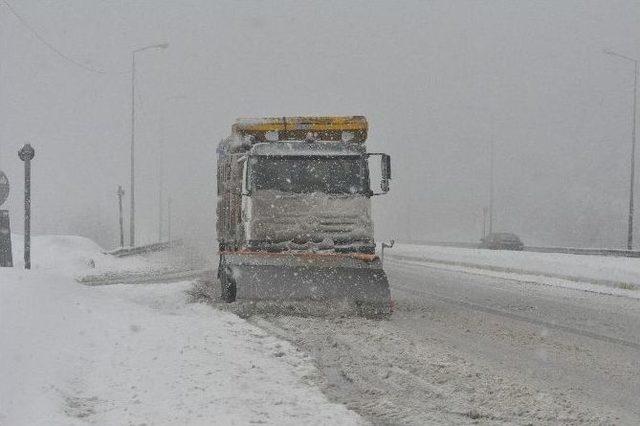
pixel 437 80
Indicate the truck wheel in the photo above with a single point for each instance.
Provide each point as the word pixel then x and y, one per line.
pixel 227 287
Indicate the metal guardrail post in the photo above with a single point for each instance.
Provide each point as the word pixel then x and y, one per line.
pixel 389 245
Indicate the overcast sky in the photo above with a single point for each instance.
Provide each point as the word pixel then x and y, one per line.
pixel 438 81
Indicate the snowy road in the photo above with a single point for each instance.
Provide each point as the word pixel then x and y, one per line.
pixel 463 346
pixel 583 344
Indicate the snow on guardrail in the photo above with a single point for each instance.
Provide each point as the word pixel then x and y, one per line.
pixel 148 248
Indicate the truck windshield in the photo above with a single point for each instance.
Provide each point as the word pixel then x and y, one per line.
pixel 305 174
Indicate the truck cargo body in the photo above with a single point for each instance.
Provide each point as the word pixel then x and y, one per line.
pixel 306 201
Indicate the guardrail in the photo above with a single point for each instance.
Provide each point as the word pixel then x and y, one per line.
pixel 443 244
pixel 149 248
pixel 515 270
pixel 542 249
pixel 584 251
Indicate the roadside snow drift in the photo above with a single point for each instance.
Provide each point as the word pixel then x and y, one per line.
pixel 133 354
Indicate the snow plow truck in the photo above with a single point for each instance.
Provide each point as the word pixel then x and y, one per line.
pixel 294 219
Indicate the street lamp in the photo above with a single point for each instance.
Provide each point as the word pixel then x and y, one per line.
pixel 132 215
pixel 491 179
pixel 633 141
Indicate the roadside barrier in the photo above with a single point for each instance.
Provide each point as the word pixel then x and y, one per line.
pixel 542 249
pixel 149 248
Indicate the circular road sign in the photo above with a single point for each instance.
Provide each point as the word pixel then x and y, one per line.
pixel 26 153
pixel 4 187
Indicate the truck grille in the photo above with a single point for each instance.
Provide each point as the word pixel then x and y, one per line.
pixel 337 224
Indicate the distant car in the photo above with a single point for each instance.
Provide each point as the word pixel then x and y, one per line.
pixel 501 241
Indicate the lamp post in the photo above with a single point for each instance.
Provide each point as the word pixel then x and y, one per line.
pixel 491 173
pixel 132 214
pixel 120 193
pixel 633 142
pixel 160 189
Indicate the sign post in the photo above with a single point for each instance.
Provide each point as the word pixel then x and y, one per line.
pixel 26 154
pixel 6 257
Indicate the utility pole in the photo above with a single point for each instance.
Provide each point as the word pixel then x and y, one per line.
pixel 633 143
pixel 491 167
pixel 484 222
pixel 132 213
pixel 120 193
pixel 26 154
pixel 169 220
pixel 160 202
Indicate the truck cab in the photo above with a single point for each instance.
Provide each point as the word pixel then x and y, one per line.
pixel 310 194
pixel 294 215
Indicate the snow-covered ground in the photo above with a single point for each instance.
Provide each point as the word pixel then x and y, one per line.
pixel 607 274
pixel 138 354
pixel 71 255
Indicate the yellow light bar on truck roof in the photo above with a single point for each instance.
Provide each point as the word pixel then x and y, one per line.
pixel 345 129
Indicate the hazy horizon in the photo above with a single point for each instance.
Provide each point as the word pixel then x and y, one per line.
pixel 438 81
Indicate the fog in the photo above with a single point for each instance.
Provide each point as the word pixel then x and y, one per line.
pixel 438 81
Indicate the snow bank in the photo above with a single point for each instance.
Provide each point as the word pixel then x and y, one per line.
pixel 71 255
pixel 72 354
pixel 621 272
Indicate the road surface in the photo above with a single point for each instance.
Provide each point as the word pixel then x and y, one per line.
pixel 464 348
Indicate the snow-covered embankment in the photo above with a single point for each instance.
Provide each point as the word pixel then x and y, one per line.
pixel 131 354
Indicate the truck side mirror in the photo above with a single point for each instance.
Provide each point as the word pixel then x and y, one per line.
pixel 385 163
pixel 386 166
pixel 245 175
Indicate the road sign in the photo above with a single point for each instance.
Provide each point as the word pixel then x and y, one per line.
pixel 4 187
pixel 26 153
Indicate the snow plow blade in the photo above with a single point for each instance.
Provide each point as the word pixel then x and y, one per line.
pixel 307 284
